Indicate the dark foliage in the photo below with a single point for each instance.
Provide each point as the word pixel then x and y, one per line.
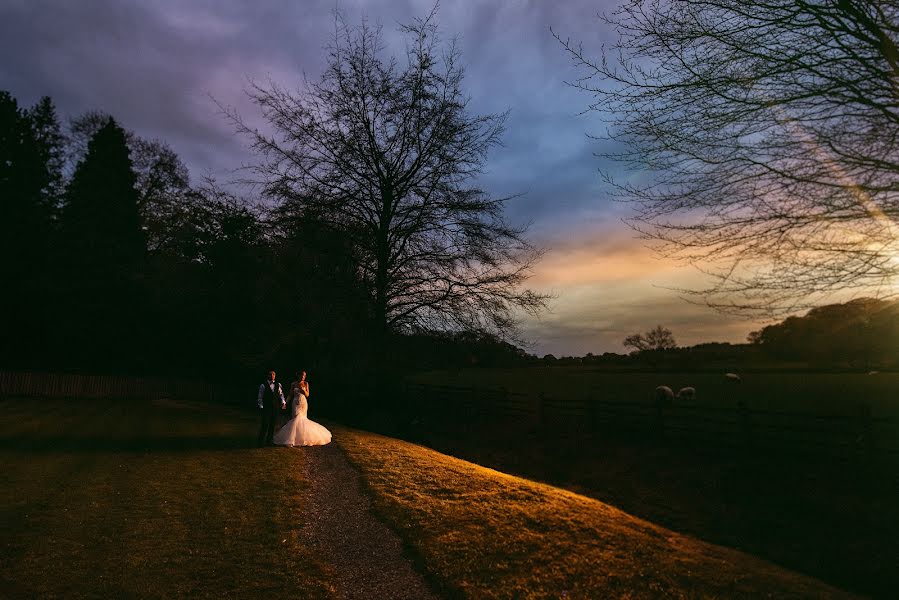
pixel 862 333
pixel 117 264
pixel 102 251
pixel 28 178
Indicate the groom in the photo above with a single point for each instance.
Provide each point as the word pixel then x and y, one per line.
pixel 270 400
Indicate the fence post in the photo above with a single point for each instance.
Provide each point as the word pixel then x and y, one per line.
pixel 745 425
pixel 865 439
pixel 660 417
pixel 413 409
pixel 540 409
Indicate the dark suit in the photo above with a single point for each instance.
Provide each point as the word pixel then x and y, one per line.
pixel 271 406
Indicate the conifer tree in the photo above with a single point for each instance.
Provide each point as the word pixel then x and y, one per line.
pixel 100 217
pixel 51 148
pixel 104 249
pixel 25 233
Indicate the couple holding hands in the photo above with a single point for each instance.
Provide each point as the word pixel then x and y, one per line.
pixel 299 430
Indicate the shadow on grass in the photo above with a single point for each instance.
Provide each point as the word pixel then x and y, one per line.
pixel 47 426
pixel 128 499
pixel 36 444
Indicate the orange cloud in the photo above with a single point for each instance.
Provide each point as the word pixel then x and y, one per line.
pixel 610 286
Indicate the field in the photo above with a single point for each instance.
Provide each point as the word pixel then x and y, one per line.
pixel 840 393
pixel 116 499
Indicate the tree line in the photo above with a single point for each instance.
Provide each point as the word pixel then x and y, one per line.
pixel 369 245
pixel 112 261
pixel 859 334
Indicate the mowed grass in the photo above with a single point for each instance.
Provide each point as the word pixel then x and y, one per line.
pixel 148 499
pixel 838 393
pixel 480 533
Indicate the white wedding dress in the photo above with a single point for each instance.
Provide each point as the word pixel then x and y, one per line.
pixel 300 431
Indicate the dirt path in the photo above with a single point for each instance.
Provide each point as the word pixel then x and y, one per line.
pixel 366 555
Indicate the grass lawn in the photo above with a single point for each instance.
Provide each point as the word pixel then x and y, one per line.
pixel 480 533
pixel 151 499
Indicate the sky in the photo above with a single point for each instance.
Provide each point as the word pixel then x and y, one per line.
pixel 160 66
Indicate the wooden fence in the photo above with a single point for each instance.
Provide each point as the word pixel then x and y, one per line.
pixel 858 433
pixel 56 385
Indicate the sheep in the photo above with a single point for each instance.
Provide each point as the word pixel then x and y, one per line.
pixel 686 393
pixel 733 377
pixel 664 394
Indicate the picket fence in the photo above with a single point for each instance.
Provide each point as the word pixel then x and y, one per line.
pixel 859 433
pixel 67 385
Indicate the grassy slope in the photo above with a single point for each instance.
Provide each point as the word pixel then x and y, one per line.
pixel 484 534
pixel 112 499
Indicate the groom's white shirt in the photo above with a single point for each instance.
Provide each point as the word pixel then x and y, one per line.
pixel 270 385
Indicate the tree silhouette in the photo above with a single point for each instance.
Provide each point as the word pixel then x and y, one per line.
pixel 862 333
pixel 100 216
pixel 386 154
pixel 767 135
pixel 117 264
pixel 25 175
pixel 657 338
pixel 27 179
pixel 104 248
pixel 51 147
pixel 161 179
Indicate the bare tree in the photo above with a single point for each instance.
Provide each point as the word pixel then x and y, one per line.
pixel 657 338
pixel 387 154
pixel 768 132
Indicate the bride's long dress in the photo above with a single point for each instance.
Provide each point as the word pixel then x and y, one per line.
pixel 300 431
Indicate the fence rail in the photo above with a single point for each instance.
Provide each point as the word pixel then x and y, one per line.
pixel 859 432
pixel 65 385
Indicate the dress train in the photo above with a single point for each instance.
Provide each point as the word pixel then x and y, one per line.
pixel 301 431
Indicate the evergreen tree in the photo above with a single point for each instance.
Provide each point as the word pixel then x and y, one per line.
pixel 31 147
pixel 162 180
pixel 24 176
pixel 100 217
pixel 51 147
pixel 25 235
pixel 105 248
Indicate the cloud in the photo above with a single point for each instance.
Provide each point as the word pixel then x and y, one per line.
pixel 597 318
pixel 609 285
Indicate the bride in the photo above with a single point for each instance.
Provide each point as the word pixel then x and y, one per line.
pixel 300 431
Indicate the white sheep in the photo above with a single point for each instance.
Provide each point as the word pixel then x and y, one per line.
pixel 733 377
pixel 686 393
pixel 664 394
